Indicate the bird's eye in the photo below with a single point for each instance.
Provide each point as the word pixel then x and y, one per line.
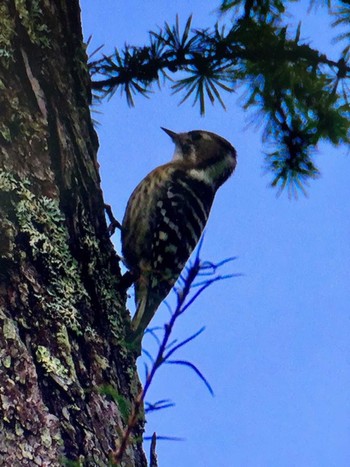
pixel 186 149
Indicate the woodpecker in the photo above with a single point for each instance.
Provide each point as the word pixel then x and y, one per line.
pixel 166 214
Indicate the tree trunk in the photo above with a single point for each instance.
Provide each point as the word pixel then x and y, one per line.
pixel 66 380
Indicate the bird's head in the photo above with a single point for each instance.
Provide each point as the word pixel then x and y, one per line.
pixel 200 146
pixel 205 153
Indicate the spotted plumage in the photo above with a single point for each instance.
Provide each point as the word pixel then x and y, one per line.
pixel 166 215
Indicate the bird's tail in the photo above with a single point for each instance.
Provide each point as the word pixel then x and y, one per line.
pixel 144 313
pixel 138 318
pixel 148 300
pixel 146 309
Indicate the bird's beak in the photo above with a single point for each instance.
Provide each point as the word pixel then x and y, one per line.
pixel 172 134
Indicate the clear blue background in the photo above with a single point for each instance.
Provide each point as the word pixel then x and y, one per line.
pixel 276 347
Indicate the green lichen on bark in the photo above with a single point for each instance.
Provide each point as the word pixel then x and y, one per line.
pixel 35 435
pixel 42 222
pixel 32 19
pixel 58 294
pixel 30 16
pixel 53 366
pixel 7 31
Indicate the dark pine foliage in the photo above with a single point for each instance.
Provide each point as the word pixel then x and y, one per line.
pixel 300 95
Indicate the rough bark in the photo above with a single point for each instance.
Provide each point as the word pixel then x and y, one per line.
pixel 66 380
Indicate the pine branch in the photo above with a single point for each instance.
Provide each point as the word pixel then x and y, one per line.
pixel 300 94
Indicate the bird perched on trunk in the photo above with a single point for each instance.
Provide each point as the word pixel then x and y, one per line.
pixel 166 214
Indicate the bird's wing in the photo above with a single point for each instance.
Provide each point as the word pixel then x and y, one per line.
pixel 178 217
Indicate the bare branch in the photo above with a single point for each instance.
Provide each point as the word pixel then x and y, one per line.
pixel 168 346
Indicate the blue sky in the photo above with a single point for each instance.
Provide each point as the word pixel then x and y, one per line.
pixel 276 346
